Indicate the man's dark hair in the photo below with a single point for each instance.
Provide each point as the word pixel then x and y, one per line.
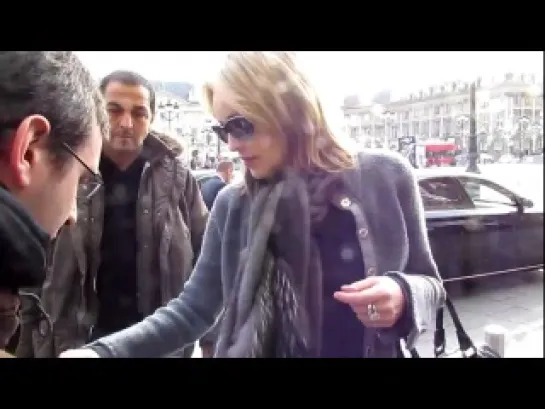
pixel 133 79
pixel 56 85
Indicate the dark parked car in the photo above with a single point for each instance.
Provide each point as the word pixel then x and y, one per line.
pixel 478 227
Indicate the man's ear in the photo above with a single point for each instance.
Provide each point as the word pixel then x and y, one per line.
pixel 27 147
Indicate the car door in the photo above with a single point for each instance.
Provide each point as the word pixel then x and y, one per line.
pixel 494 239
pixel 447 205
pixel 530 237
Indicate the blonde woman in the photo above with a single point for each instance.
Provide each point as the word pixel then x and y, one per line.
pixel 317 254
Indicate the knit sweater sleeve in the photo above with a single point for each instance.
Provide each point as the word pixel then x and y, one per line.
pixel 423 284
pixel 184 319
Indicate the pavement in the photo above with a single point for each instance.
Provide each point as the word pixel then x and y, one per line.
pixel 515 302
pixel 528 343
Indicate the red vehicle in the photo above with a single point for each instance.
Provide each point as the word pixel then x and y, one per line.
pixel 440 153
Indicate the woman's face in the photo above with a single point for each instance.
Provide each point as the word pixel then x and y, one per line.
pixel 260 150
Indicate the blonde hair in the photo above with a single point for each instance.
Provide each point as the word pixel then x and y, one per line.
pixel 271 91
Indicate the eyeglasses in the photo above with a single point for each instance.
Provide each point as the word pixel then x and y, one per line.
pixel 86 189
pixel 237 126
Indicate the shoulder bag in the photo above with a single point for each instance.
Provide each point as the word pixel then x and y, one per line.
pixel 466 347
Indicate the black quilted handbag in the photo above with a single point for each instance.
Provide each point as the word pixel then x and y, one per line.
pixel 466 347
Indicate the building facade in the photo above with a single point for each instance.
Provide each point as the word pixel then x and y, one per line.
pixel 185 119
pixel 509 116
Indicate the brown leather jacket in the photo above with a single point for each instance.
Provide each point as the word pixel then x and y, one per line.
pixel 170 224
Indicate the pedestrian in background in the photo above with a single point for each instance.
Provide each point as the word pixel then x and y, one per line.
pixel 136 240
pixel 52 122
pixel 223 176
pixel 318 254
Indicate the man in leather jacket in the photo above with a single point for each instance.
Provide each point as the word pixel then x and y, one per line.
pixel 135 241
pixel 52 122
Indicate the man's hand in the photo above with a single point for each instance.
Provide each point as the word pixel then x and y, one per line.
pixel 79 353
pixel 378 301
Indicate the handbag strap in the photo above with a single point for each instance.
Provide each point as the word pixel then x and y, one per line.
pixel 439 340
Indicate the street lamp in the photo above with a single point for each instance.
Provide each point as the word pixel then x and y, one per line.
pixel 536 132
pixel 522 123
pixel 210 135
pixel 169 112
pixel 500 137
pixel 354 122
pixel 388 131
pixel 461 120
pixel 484 137
pixel 387 116
pixel 473 147
pixel 538 129
pixel 376 111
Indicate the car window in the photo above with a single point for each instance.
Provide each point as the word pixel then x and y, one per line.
pixel 444 193
pixel 487 194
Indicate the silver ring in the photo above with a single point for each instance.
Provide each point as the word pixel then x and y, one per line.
pixel 372 312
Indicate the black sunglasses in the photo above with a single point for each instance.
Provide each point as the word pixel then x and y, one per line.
pixel 88 188
pixel 237 126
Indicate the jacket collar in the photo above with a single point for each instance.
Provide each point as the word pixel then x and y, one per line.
pixel 158 145
pixel 23 244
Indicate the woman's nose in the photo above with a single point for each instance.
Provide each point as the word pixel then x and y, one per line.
pixel 233 143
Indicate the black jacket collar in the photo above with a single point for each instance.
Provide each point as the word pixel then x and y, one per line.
pixel 23 245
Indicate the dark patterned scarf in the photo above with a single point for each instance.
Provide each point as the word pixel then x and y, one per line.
pixel 276 305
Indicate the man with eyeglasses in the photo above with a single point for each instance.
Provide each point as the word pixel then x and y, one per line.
pixel 136 238
pixel 52 122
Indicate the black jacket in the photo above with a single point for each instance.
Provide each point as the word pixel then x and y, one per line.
pixel 210 190
pixel 23 255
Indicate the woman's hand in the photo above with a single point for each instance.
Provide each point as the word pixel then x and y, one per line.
pixel 79 353
pixel 378 301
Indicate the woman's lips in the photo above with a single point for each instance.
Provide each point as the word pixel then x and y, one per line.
pixel 249 161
